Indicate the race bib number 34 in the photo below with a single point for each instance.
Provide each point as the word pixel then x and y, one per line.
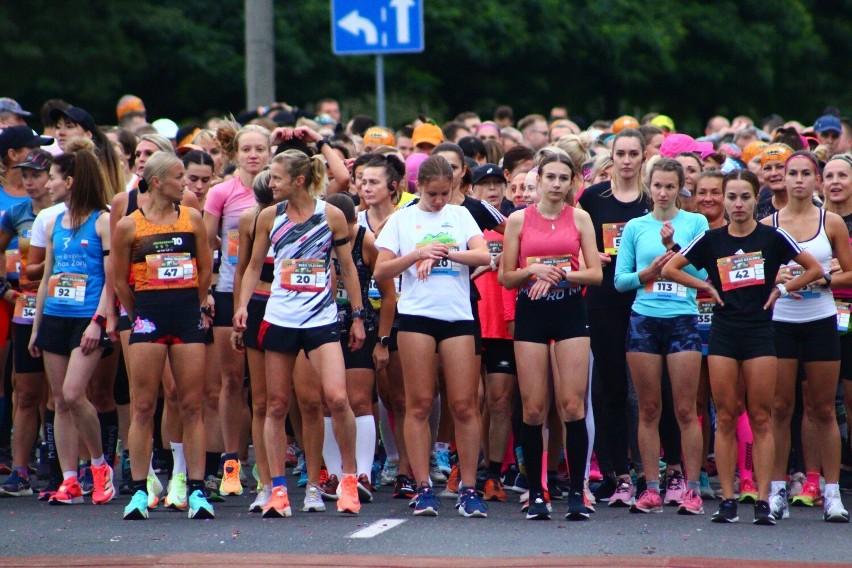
pixel 303 275
pixel 741 270
pixel 67 288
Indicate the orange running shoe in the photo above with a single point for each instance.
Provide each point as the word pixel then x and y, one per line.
pixel 104 489
pixel 278 505
pixel 347 495
pixel 69 492
pixel 231 480
pixel 494 490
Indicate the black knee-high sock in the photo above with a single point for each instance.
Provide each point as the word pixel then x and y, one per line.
pixel 109 435
pixel 577 446
pixel 50 440
pixel 211 463
pixel 533 446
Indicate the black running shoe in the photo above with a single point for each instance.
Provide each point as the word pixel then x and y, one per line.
pixel 727 512
pixel 403 488
pixel 577 510
pixel 763 515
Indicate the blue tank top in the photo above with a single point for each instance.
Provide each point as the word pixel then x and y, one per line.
pixel 75 286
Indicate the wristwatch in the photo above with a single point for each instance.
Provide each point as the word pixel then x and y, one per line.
pixel 675 248
pixel 321 143
pixel 358 313
pixel 827 278
pixel 100 320
pixel 384 340
pixel 783 290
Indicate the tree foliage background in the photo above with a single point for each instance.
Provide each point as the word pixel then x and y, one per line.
pixel 600 58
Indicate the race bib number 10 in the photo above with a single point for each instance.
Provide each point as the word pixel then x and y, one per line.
pixel 741 270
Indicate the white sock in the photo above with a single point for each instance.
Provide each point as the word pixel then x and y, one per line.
pixel 590 417
pixel 775 487
pixel 178 458
pixel 331 451
pixel 98 462
pixel 68 474
pixel 365 444
pixel 832 489
pixel 388 439
pixel 151 467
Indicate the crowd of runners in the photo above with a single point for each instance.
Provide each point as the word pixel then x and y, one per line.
pixel 461 312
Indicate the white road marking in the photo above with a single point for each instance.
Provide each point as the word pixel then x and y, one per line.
pixel 377 528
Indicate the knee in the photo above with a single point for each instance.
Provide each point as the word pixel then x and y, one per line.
pixel 232 382
pixel 463 411
pixel 211 397
pixel 26 400
pixel 418 408
pixel 277 407
pixel 824 414
pixel 500 404
pixel 571 409
pixel 685 413
pixel 190 411
pixel 649 412
pixel 759 419
pixel 726 423
pixel 258 406
pixel 337 401
pixel 534 414
pixel 361 403
pixel 170 392
pixel 143 408
pixel 782 409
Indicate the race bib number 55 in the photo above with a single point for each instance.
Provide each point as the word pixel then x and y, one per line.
pixel 741 270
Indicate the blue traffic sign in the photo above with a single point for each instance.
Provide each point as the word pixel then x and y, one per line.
pixel 364 27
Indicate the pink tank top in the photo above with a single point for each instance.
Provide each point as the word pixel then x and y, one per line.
pixel 549 238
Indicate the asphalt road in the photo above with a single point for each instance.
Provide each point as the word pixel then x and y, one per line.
pixel 33 533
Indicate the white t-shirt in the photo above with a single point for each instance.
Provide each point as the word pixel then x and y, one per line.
pixel 445 294
pixel 45 216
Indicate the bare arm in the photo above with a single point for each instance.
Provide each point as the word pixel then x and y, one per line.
pixel 123 236
pixel 348 273
pixel 252 272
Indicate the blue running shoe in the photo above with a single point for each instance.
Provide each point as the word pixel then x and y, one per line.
pixel 199 508
pixel 442 459
pixel 137 509
pixel 87 481
pixel 303 478
pixel 470 504
pixel 425 503
pixel 16 486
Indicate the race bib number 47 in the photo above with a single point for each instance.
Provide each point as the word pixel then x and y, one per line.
pixel 741 270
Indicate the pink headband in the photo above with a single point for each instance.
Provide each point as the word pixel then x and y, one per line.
pixel 807 157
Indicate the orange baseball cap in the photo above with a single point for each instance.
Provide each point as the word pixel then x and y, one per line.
pixel 752 149
pixel 379 136
pixel 427 133
pixel 624 122
pixel 775 153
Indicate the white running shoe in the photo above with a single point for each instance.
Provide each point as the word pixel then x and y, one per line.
pixel 779 506
pixel 263 497
pixel 833 508
pixel 313 500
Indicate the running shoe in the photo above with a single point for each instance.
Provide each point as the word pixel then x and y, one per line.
pixel 104 491
pixel 211 487
pixel 537 508
pixel 494 490
pixel 300 464
pixel 176 498
pixel 577 510
pixel 49 491
pixel 763 514
pixel 126 486
pixel 262 498
pixel 154 489
pixel 87 482
pixel 329 489
pixel 231 484
pixel 389 472
pixel 292 458
pixel 137 509
pixel 425 503
pixel 675 488
pixel 554 489
pixel 704 482
pixel 691 504
pixel 779 505
pixel 525 501
pixel 278 505
pixel 727 512
pixel 748 491
pixel 303 478
pixel 624 495
pixel 809 496
pixel 833 511
pixel 514 480
pixel 453 482
pixel 403 489
pixel 471 505
pixel 365 489
pixel 255 474
pixel 199 507
pixel 605 489
pixel 347 495
pixel 588 499
pixel 16 486
pixel 313 500
pixel 595 470
pixel 68 493
pixel 649 502
pixel 795 484
pixel 442 460
pixel 435 473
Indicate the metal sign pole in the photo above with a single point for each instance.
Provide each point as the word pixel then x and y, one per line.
pixel 380 90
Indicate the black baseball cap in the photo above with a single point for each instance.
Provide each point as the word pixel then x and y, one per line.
pixel 36 160
pixel 75 115
pixel 14 137
pixel 487 170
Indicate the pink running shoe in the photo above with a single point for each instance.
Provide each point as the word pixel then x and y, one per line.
pixel 595 470
pixel 649 502
pixel 675 487
pixel 625 493
pixel 692 504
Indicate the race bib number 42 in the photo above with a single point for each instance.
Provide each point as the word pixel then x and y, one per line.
pixel 303 275
pixel 67 288
pixel 741 270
